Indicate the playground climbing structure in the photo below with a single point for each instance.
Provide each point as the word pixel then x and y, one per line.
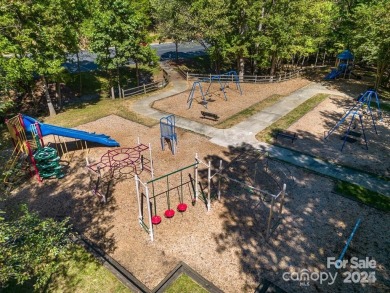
pixel 344 66
pixel 256 186
pixel 30 153
pixel 168 132
pixel 119 163
pixel 167 189
pixel 22 156
pixel 356 114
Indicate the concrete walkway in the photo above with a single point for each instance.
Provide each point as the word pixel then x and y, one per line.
pixel 244 132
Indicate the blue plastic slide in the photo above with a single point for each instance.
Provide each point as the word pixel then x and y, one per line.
pixel 48 129
pixel 333 74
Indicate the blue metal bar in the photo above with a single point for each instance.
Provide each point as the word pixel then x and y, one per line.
pixel 349 240
pixel 364 134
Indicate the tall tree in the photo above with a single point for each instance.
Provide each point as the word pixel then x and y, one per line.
pixel 173 20
pixel 36 35
pixel 212 28
pixel 372 35
pixel 118 32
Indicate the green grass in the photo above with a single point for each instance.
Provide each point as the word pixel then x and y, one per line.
pixel 80 273
pixel 363 195
pixel 286 121
pixel 99 81
pixel 184 284
pixel 89 111
pixel 241 116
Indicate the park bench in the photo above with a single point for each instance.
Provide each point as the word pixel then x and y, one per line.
pixel 287 134
pixel 209 115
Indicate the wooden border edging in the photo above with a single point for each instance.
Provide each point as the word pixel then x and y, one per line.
pixel 136 285
pixel 186 269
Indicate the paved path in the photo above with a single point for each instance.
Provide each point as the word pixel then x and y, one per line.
pixel 244 132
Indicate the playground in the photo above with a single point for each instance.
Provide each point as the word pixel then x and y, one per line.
pixel 227 244
pixel 223 107
pixel 314 126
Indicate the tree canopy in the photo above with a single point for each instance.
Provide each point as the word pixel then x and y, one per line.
pixel 30 247
pixel 251 36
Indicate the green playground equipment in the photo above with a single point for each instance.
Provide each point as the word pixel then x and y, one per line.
pixel 48 163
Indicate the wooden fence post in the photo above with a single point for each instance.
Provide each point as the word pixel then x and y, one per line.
pixel 144 88
pixel 112 93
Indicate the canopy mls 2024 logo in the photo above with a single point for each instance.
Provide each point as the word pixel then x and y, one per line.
pixel 360 271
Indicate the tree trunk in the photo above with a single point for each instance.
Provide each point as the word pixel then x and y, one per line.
pixel 241 67
pixel 381 68
pixel 292 61
pixel 315 63
pixel 52 111
pixel 119 83
pixel 273 63
pixel 259 28
pixel 136 71
pixel 177 50
pixel 59 95
pixel 79 71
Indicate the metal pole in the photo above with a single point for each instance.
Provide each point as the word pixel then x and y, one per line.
pixel 151 161
pixel 138 198
pixel 269 218
pixel 209 186
pixel 149 214
pixel 196 176
pixel 219 180
pixel 349 240
pixel 282 199
pixel 171 173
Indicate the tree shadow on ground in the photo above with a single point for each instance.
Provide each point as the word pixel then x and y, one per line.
pixel 350 86
pixel 71 197
pixel 314 224
pixel 311 140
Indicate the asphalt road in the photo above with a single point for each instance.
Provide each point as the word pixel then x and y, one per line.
pixel 186 50
pixel 164 51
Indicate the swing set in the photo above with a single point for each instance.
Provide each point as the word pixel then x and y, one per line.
pixel 362 107
pixel 223 81
pixel 148 194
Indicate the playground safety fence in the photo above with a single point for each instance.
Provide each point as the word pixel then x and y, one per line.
pixel 146 88
pixel 246 78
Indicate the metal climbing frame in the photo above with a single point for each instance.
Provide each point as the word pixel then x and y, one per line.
pixel 357 109
pixel 168 131
pixel 22 145
pixel 144 197
pixel 124 162
pixel 274 197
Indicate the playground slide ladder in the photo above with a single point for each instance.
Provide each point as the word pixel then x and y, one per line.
pixel 17 156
